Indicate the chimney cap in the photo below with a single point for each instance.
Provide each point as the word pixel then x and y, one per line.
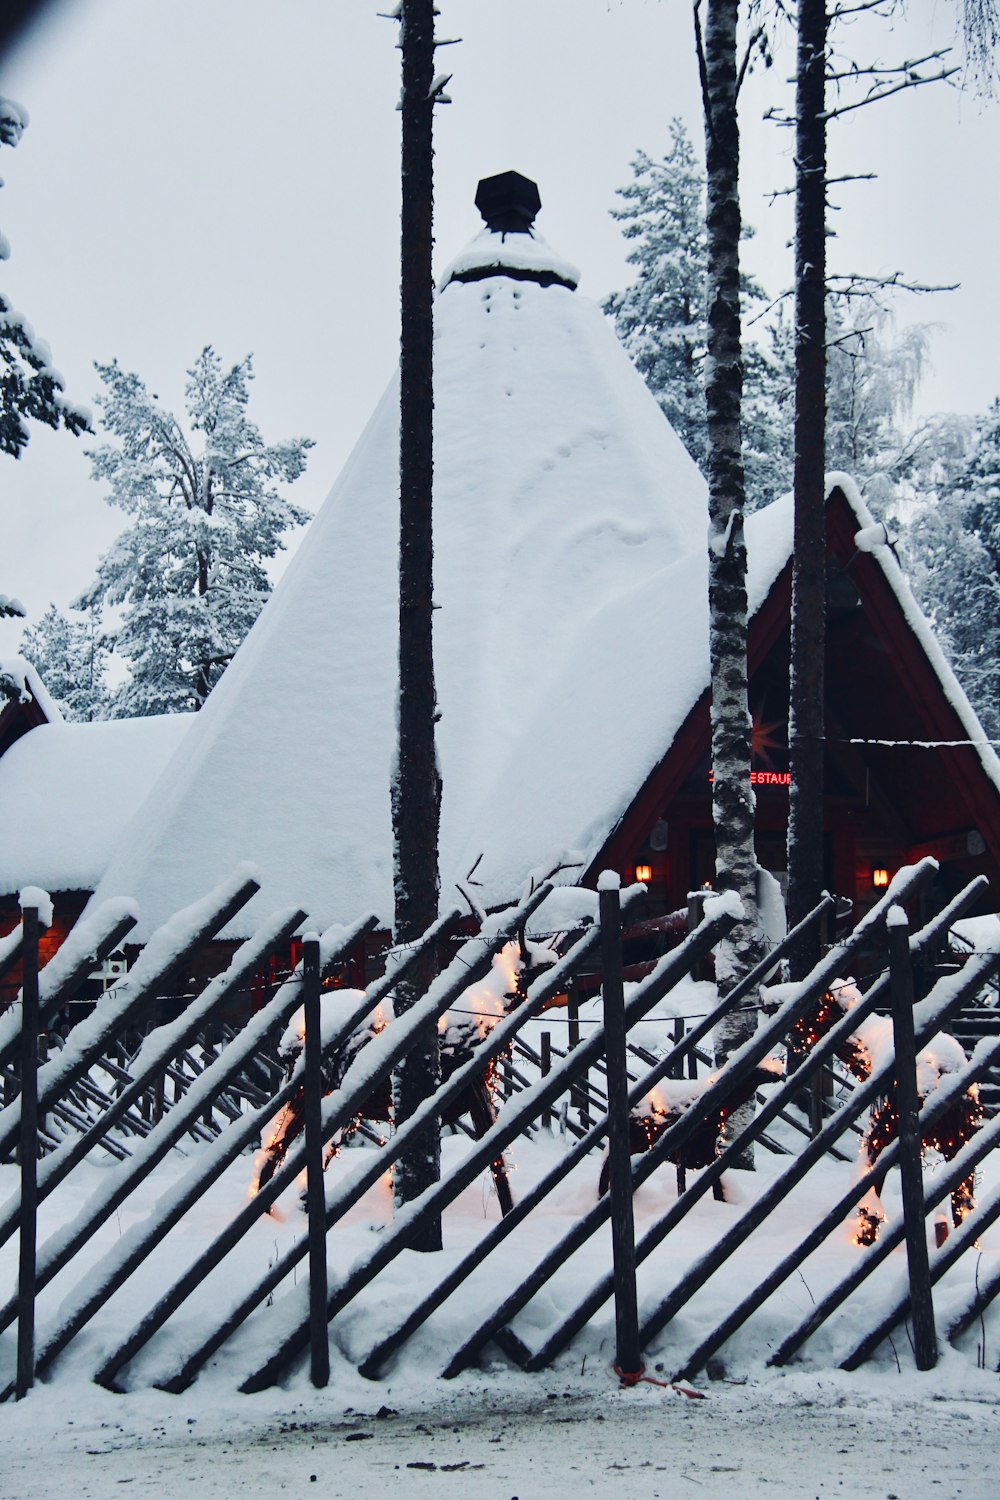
pixel 508 202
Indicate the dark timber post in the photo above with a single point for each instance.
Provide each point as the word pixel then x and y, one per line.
pixel 319 1337
pixel 25 1378
pixel 416 790
pixel 808 627
pixel 546 1069
pixel 628 1359
pixel 908 1106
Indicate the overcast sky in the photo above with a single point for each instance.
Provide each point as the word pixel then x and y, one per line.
pixel 226 172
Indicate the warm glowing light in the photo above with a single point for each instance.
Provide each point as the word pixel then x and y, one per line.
pixel 880 877
pixel 644 873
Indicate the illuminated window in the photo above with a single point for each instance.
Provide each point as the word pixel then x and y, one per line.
pixel 880 877
pixel 644 873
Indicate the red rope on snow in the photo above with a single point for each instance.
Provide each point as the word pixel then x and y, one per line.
pixel 634 1377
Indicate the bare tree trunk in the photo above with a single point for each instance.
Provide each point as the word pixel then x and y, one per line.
pixel 732 797
pixel 806 720
pixel 416 787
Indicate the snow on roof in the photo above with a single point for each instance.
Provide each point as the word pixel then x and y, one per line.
pixel 24 682
pixel 559 486
pixel 68 791
pixel 514 251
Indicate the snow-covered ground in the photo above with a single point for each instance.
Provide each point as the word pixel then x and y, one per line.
pixel 810 1432
pixel 798 1437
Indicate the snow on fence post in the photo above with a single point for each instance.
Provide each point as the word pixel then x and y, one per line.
pixel 28 1153
pixel 319 1335
pixel 925 1349
pixel 628 1361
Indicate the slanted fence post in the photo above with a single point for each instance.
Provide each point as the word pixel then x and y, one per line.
pixel 27 1246
pixel 319 1334
pixel 908 1106
pixel 628 1355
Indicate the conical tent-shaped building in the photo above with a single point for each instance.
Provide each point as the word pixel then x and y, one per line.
pixel 559 487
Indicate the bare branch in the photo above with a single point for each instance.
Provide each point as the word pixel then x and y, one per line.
pixel 877 93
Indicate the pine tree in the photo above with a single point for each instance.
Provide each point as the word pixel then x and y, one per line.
pixel 72 659
pixel 206 514
pixel 30 389
pixel 951 549
pixel 661 318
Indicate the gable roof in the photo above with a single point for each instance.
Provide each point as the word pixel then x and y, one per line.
pixel 937 707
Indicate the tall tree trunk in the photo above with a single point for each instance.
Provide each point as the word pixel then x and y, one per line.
pixel 732 797
pixel 806 720
pixel 416 787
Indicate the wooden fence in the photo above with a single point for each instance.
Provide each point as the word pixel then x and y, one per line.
pixel 100 1092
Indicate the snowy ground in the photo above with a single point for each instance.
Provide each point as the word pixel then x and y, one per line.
pixel 496 1432
pixel 798 1436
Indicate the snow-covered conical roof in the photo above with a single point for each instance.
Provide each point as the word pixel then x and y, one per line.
pixel 559 489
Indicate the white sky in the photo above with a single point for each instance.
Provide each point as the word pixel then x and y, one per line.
pixel 226 172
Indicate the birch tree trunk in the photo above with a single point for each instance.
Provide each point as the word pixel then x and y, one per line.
pixel 732 797
pixel 806 718
pixel 416 787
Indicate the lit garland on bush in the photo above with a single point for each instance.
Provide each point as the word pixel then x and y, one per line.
pixel 947 1136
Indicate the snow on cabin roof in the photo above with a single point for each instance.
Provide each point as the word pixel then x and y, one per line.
pixel 22 683
pixel 68 791
pixel 559 486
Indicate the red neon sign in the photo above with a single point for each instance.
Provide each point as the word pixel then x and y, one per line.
pixel 765 778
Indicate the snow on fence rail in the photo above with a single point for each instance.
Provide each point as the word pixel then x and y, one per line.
pixel 604 1077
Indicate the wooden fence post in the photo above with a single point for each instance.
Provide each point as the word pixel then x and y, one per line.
pixel 696 913
pixel 546 1069
pixel 27 1245
pixel 628 1359
pixel 578 1093
pixel 908 1106
pixel 319 1333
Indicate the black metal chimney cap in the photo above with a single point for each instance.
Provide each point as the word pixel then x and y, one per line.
pixel 508 202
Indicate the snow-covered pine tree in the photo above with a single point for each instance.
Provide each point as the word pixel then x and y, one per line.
pixel 207 512
pixel 72 659
pixel 951 550
pixel 660 318
pixel 30 389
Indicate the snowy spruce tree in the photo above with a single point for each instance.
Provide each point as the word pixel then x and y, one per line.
pixel 951 551
pixel 30 389
pixel 206 513
pixel 72 658
pixel 661 318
